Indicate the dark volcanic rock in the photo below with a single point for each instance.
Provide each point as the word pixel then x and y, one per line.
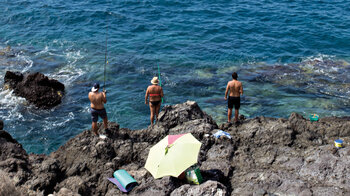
pixel 45 173
pixel 36 88
pixel 1 124
pixel 13 158
pixel 265 156
pixel 207 188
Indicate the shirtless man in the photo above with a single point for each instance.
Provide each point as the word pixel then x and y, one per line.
pixel 155 94
pixel 97 99
pixel 236 90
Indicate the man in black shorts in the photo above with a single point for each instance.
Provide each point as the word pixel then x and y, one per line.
pixel 98 99
pixel 236 90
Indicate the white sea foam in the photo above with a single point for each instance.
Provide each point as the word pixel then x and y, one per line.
pixel 50 123
pixel 46 50
pixel 11 103
pixel 28 61
pixel 319 58
pixel 69 73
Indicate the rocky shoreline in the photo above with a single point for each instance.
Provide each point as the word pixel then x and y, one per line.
pixel 265 156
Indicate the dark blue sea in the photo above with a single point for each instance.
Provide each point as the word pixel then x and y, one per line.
pixel 292 56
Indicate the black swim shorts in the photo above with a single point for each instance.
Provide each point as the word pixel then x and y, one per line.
pixel 95 113
pixel 155 103
pixel 234 101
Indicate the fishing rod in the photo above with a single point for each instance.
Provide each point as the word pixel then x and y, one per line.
pixel 160 81
pixel 106 61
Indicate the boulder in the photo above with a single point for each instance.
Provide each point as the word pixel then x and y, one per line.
pixel 208 188
pixel 172 116
pixel 36 88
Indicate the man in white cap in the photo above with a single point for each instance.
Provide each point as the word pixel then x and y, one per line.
pixel 98 99
pixel 155 94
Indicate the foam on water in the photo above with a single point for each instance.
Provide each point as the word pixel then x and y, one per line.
pixel 69 73
pixel 28 61
pixel 11 105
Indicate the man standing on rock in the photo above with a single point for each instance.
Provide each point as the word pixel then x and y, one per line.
pixel 236 90
pixel 98 99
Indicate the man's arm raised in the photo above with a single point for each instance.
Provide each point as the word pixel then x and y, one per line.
pixel 104 98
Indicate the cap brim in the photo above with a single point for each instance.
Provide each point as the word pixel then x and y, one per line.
pixel 93 89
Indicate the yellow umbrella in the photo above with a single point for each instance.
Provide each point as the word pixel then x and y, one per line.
pixel 173 155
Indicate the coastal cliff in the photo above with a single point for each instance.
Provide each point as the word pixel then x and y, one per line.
pixel 265 156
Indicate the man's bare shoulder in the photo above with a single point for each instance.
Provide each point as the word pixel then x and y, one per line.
pixel 230 83
pixel 95 94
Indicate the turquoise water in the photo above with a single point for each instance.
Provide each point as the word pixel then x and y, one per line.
pixel 292 56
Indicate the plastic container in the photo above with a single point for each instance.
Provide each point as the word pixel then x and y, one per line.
pixel 314 117
pixel 338 143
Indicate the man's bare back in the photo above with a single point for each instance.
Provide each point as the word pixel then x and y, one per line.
pixel 97 100
pixel 235 88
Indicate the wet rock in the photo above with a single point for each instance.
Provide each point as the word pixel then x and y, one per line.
pixel 7 52
pixel 36 88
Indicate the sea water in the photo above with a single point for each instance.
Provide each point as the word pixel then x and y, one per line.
pixel 292 56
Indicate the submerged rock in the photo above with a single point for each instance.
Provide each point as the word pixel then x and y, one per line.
pixel 7 52
pixel 36 88
pixel 265 156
